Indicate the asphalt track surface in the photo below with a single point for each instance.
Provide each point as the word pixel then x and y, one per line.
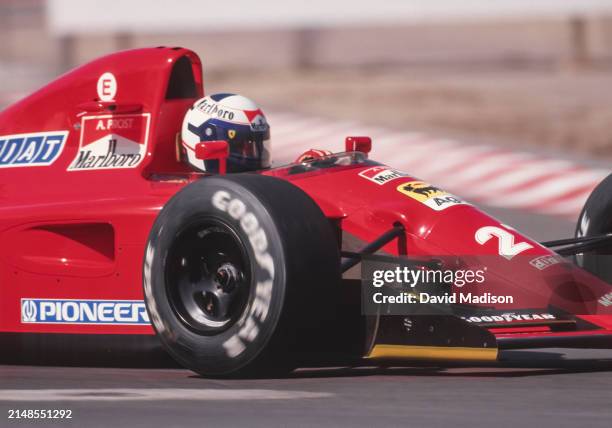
pixel 543 388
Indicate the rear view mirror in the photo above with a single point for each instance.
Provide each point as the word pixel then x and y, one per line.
pixel 213 150
pixel 358 144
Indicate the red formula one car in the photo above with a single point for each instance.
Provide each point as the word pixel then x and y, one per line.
pixel 105 231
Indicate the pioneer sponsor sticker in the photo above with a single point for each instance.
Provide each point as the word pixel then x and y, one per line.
pixel 381 174
pixel 34 149
pixel 112 142
pixel 67 311
pixel 429 195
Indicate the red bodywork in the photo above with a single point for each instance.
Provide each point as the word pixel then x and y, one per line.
pixel 71 233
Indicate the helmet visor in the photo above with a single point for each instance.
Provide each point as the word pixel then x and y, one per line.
pixel 249 150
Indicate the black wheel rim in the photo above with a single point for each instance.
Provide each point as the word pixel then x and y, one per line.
pixel 208 276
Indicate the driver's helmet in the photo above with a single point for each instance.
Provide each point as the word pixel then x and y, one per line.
pixel 235 119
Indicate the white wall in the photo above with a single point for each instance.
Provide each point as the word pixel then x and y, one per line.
pixel 155 16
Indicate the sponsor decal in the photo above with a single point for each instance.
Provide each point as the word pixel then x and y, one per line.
pixel 35 149
pixel 543 262
pixel 606 299
pixel 107 87
pixel 381 174
pixel 231 133
pixel 256 120
pixel 407 324
pixel 112 142
pixel 213 109
pixel 258 239
pixel 510 318
pixel 67 311
pixel 429 195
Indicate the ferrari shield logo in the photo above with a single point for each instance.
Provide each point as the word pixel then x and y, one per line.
pixel 231 133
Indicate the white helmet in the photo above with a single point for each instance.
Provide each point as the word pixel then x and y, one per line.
pixel 235 119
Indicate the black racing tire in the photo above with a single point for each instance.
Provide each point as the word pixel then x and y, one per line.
pixel 281 256
pixel 596 219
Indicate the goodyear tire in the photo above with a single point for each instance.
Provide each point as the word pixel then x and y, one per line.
pixel 596 219
pixel 240 274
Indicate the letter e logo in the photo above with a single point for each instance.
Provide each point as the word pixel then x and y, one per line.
pixel 107 87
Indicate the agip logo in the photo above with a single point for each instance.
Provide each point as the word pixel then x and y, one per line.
pixel 435 198
pixel 34 149
pixel 112 142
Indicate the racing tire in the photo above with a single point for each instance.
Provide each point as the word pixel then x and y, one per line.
pixel 596 219
pixel 240 275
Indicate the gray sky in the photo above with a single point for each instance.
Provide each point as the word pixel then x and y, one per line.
pixel 201 15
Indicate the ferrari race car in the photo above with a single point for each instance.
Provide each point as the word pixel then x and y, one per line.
pixel 106 232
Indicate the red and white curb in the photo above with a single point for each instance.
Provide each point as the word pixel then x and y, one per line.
pixel 483 174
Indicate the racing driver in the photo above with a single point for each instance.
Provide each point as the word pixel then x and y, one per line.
pixel 237 120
